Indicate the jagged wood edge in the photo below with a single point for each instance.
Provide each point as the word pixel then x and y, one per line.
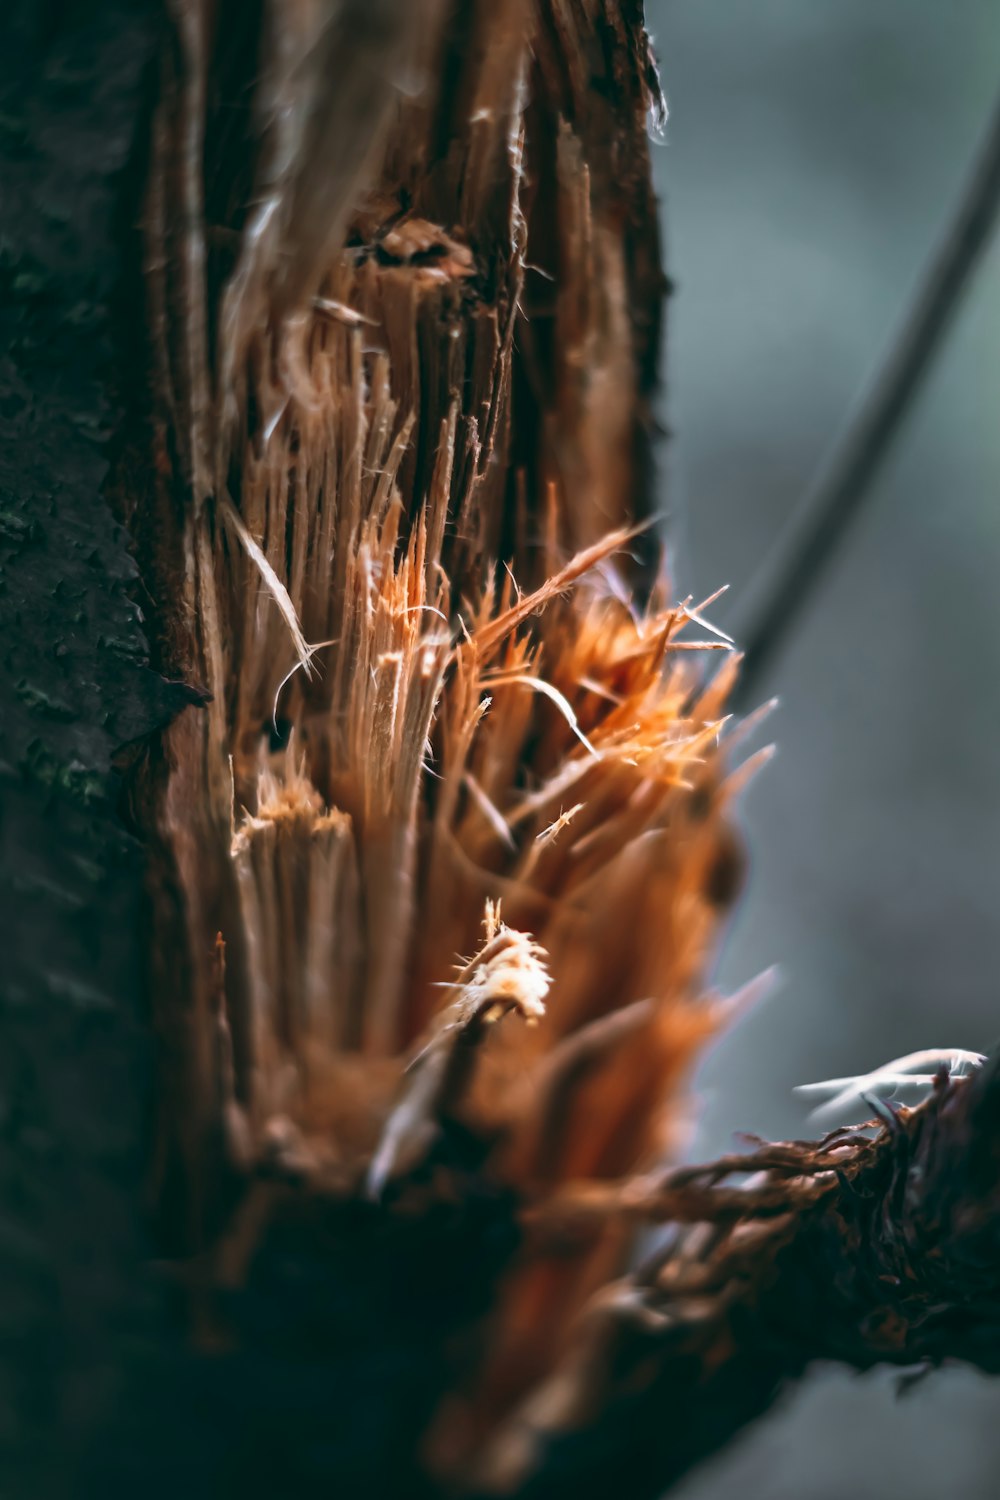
pixel 854 1249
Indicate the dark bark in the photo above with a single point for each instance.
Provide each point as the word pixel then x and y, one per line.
pixel 75 1057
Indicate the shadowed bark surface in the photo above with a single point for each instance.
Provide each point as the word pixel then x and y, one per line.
pixel 75 1060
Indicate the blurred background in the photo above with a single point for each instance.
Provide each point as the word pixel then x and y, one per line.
pixel 813 153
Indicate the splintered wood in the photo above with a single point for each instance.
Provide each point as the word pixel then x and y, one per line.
pixel 404 311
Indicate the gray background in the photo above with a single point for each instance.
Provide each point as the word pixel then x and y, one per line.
pixel 813 151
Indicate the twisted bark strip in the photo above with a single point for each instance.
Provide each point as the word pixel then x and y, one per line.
pixel 855 1249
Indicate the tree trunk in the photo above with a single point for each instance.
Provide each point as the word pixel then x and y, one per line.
pixel 338 307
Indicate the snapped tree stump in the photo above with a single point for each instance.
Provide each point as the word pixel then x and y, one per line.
pixel 323 1159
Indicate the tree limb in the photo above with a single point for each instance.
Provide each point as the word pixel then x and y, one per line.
pixel 857 1249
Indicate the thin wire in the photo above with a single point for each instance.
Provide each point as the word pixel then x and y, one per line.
pixel 818 525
